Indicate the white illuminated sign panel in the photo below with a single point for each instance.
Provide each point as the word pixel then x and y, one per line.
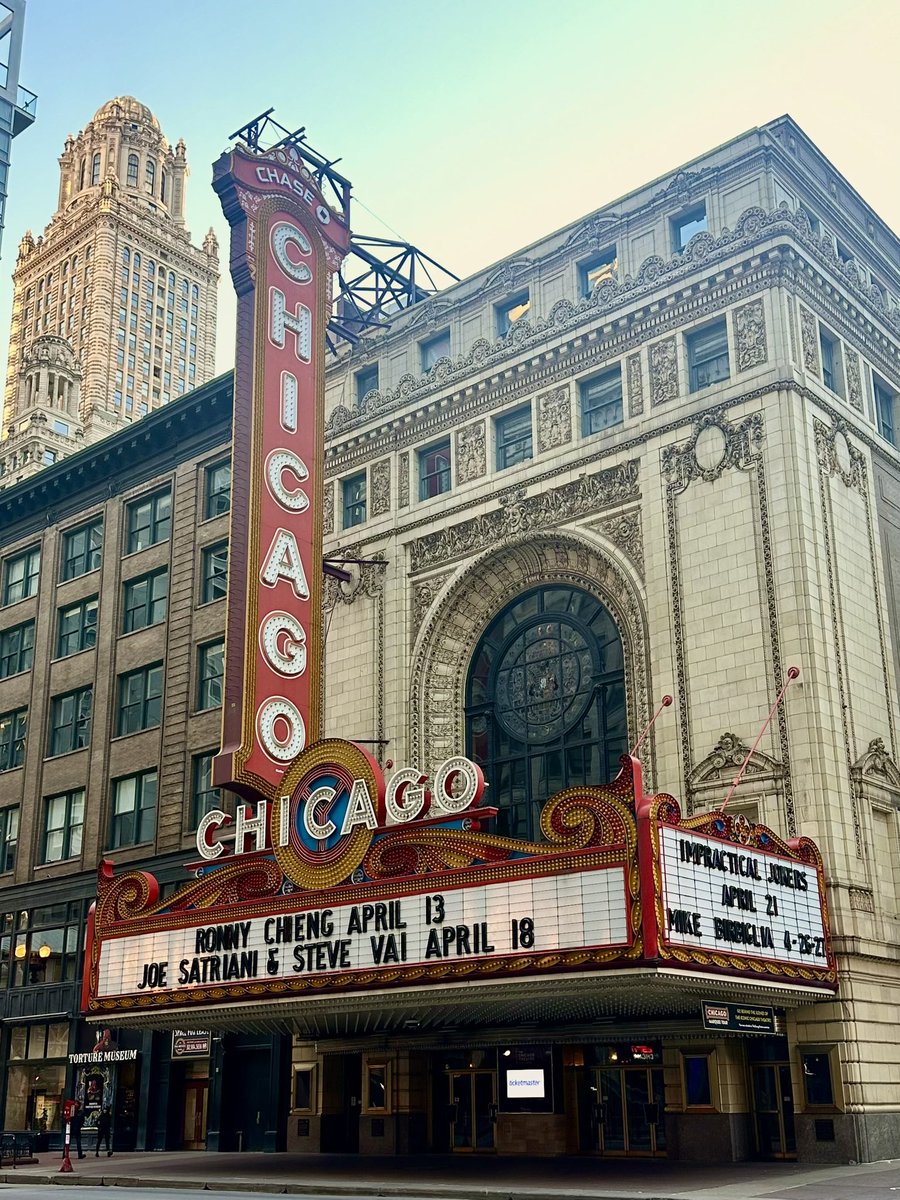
pixel 558 912
pixel 525 1085
pixel 726 898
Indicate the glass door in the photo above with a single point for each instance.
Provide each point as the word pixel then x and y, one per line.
pixel 472 1105
pixel 773 1105
pixel 630 1111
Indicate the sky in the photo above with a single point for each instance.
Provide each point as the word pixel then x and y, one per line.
pixel 468 127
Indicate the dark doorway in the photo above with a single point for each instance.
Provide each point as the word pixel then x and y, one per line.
pixel 341 1103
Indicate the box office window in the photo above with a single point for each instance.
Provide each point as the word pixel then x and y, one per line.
pixel 697 1080
pixel 377 1087
pixel 818 1086
pixel 82 550
pixel 304 1097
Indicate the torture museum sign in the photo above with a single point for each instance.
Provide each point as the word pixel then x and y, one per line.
pixel 332 877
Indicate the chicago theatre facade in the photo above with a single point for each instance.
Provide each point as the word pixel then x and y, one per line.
pixel 446 890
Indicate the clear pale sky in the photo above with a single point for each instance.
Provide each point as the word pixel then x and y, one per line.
pixel 471 127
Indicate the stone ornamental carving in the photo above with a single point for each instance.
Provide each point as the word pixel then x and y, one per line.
pixel 877 767
pixel 727 757
pixel 635 379
pixel 715 446
pixel 520 514
pixel 854 380
pixel 568 316
pixel 508 274
pixel 663 372
pixel 624 530
pixel 809 335
pixel 381 487
pixel 471 452
pixel 750 335
pixel 596 231
pixel 682 185
pixel 554 419
pixel 838 456
pixel 424 595
pixel 328 509
pixel 366 579
pixel 403 480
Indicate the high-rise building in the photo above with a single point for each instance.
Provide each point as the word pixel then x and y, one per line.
pixel 115 275
pixel 17 104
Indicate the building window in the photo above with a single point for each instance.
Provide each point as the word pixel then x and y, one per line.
pixel 686 225
pixel 601 266
pixel 63 826
pixel 205 796
pixel 697 1081
pixel 218 489
pixel 132 177
pixel 304 1094
pixel 434 470
pixel 82 550
pixel 140 699
pixel 214 581
pixel 832 375
pixel 9 837
pixel 817 1079
pixel 377 1092
pixel 510 311
pixel 601 402
pixel 133 810
pixel 545 702
pixel 145 601
pixel 434 348
pixel 20 575
pixel 885 400
pixel 708 356
pixel 95 170
pixel 48 949
pixel 13 727
pixel 77 627
pixel 70 722
pixel 354 493
pixel 150 176
pixel 513 435
pixel 16 649
pixel 210 672
pixel 149 521
pixel 366 381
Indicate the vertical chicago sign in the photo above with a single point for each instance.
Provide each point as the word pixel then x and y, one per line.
pixel 286 243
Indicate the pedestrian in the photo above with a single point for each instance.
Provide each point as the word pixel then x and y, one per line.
pixel 104 1132
pixel 77 1124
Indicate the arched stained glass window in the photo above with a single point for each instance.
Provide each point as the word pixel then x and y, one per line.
pixel 545 702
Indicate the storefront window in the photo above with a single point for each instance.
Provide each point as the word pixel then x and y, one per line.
pixel 545 702
pixel 35 1083
pixel 817 1083
pixel 697 1085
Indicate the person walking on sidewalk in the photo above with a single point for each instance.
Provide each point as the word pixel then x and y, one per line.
pixel 77 1126
pixel 104 1132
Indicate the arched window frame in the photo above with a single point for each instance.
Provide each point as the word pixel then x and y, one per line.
pixel 95 169
pixel 81 173
pixel 525 772
pixel 163 186
pixel 133 165
pixel 150 176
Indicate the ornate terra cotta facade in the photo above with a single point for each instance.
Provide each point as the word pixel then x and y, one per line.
pixel 675 473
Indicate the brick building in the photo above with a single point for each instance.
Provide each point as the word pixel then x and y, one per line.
pixel 665 438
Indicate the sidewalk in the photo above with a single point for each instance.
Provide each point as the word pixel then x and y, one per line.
pixel 471 1177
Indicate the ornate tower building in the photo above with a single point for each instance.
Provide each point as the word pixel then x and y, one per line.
pixel 116 275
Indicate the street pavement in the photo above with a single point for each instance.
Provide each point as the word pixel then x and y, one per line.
pixel 440 1177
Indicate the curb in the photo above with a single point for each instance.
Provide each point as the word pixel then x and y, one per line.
pixel 318 1188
